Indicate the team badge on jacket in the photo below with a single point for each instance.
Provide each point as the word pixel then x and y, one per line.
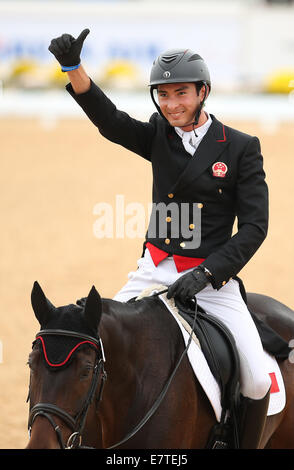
pixel 219 169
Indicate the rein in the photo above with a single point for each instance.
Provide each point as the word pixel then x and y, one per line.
pixel 77 423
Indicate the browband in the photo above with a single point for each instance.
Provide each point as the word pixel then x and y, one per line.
pixel 73 334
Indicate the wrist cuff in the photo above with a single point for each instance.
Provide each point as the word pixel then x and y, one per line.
pixel 206 272
pixel 64 68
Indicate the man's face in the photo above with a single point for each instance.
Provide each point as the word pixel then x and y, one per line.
pixel 178 103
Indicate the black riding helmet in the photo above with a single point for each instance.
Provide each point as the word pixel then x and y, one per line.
pixel 179 66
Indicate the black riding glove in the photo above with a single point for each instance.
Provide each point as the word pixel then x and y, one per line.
pixel 188 285
pixel 67 49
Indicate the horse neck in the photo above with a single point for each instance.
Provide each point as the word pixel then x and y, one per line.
pixel 139 350
pixel 122 332
pixel 134 333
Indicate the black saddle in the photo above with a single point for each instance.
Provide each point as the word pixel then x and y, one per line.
pixel 219 349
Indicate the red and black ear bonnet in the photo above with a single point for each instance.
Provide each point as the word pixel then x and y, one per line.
pixel 64 330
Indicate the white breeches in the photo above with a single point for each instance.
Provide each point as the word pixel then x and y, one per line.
pixel 225 304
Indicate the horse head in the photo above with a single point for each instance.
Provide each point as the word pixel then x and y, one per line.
pixel 68 341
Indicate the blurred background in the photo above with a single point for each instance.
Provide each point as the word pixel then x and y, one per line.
pixel 55 167
pixel 247 44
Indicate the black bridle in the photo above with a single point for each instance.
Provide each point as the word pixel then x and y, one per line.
pixel 76 423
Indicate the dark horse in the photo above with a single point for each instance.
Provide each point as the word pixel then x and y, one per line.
pixel 98 368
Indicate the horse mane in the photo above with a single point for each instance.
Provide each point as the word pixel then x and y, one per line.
pixel 147 315
pixel 144 312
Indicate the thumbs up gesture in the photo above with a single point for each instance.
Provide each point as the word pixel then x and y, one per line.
pixel 67 49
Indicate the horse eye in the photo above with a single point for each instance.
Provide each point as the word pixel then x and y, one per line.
pixel 29 363
pixel 33 359
pixel 86 370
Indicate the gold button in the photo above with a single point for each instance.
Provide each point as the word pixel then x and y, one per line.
pixel 223 283
pixel 191 226
pixel 200 205
pixel 182 245
pixel 170 195
pixel 220 190
pixel 168 219
pixel 167 241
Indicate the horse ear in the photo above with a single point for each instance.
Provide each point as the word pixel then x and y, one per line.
pixel 41 305
pixel 93 309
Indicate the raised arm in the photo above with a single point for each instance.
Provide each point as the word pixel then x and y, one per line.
pixel 115 125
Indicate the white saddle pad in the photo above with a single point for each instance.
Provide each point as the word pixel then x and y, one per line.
pixel 202 371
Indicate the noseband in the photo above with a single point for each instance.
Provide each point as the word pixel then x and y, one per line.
pixel 76 423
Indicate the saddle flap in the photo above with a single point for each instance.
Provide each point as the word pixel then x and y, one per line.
pixel 218 347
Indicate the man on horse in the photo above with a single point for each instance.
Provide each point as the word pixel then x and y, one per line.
pixel 205 174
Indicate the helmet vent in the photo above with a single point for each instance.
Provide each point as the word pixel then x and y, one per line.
pixel 169 58
pixel 195 57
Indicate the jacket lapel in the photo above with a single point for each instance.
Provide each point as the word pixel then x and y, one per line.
pixel 212 145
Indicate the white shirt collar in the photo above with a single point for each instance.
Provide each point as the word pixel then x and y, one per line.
pixel 192 139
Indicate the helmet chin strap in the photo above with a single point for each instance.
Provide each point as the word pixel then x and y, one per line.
pixel 197 115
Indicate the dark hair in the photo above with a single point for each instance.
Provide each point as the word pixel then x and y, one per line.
pixel 198 86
